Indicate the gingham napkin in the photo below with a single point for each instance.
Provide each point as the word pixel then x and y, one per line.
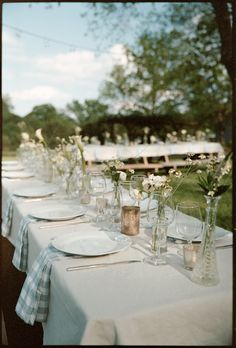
pixel 7 220
pixel 32 304
pixel 20 257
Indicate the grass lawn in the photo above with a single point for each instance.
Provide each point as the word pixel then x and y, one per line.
pixel 189 190
pixel 8 156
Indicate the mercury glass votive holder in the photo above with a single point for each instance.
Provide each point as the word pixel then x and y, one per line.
pixel 190 255
pixel 130 220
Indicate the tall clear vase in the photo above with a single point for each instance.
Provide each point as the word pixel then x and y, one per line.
pixel 116 207
pixel 71 184
pixel 205 271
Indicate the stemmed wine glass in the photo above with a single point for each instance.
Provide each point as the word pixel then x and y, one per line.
pixel 188 220
pixel 97 188
pixel 160 214
pixel 136 188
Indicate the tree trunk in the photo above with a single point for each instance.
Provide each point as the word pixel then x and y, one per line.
pixel 223 20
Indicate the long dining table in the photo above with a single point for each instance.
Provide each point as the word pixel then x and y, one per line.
pixel 130 303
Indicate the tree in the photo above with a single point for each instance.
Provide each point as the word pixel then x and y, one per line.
pixel 89 112
pixel 144 83
pixel 53 123
pixel 215 17
pixel 189 58
pixel 223 15
pixel 11 132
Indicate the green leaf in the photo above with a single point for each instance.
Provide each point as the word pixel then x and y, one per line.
pixel 222 189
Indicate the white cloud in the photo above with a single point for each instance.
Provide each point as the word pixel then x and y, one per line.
pixel 39 94
pixel 118 54
pixel 80 65
pixel 58 78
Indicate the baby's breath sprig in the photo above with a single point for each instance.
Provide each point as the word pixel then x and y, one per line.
pixel 112 169
pixel 214 177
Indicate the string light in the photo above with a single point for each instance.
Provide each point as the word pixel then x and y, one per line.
pixel 47 40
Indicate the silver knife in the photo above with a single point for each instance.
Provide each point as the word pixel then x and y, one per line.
pixel 104 264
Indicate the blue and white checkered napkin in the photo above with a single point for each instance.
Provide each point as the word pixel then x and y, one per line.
pixel 33 302
pixel 20 257
pixel 7 219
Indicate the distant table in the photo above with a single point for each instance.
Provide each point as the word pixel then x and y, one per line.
pixel 100 153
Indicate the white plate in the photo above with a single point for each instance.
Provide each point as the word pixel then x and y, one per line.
pixel 10 163
pixel 36 192
pixel 58 212
pixel 92 245
pixel 17 175
pixel 218 235
pixel 12 168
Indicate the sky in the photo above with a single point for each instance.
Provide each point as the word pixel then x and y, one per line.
pixel 36 69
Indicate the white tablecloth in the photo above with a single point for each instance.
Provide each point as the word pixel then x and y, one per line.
pixel 109 152
pixel 135 304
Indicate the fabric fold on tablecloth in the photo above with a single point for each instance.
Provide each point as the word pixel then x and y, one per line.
pixel 20 257
pixel 33 301
pixel 7 220
pixel 225 241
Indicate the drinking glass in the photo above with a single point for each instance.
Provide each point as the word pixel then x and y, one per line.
pixel 126 198
pixel 160 214
pixel 188 220
pixel 136 188
pixel 97 188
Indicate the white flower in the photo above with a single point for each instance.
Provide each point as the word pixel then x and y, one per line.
pixel 78 142
pixel 38 134
pixel 172 171
pixel 137 194
pixel 146 130
pixel 178 174
pixel 189 161
pixel 159 181
pixel 202 156
pixel 122 175
pixel 77 130
pixel 153 139
pixel 25 136
pixel 183 131
pixel 199 171
pixel 86 138
pixel 211 193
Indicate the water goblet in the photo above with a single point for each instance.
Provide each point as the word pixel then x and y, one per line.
pixel 188 220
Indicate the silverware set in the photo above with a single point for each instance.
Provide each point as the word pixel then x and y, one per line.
pixel 54 224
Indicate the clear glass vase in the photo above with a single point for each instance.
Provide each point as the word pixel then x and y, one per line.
pixel 115 208
pixel 205 271
pixel 84 196
pixel 160 214
pixel 71 184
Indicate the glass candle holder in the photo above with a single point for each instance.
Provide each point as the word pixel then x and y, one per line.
pixel 130 220
pixel 190 255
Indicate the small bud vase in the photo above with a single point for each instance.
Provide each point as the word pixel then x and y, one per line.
pixel 205 271
pixel 84 195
